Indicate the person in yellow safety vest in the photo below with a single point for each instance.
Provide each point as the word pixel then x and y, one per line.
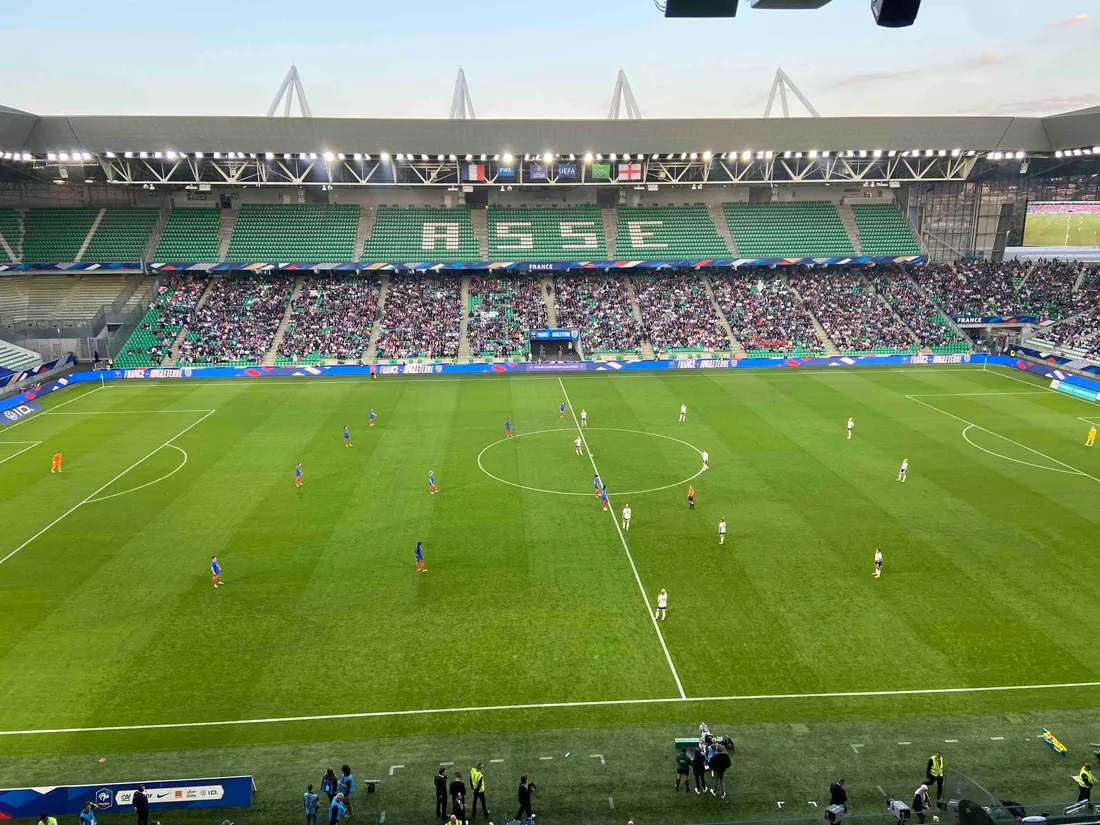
pixel 935 774
pixel 46 819
pixel 1084 782
pixel 477 788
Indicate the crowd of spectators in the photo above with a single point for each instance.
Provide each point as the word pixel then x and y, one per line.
pixel 174 303
pixel 331 319
pixel 1081 333
pixel 421 318
pixel 915 308
pixel 502 311
pixel 238 321
pixel 598 306
pixel 678 314
pixel 764 314
pixel 850 311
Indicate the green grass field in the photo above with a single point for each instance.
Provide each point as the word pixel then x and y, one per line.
pixel 530 635
pixel 1062 230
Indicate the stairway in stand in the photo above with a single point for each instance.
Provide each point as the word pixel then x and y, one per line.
pixel 546 285
pixel 735 347
pixel 830 347
pixel 646 347
pixel 848 218
pixel 288 314
pixel 376 330
pixel 174 350
pixel 464 325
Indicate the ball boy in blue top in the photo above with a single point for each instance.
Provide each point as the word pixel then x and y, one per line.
pixel 215 570
pixel 508 427
pixel 420 568
pixel 347 436
pixel 372 417
pixel 298 475
pixel 561 410
pixel 346 786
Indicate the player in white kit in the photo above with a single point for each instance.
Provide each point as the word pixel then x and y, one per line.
pixel 662 605
pixel 706 459
pixel 577 445
pixel 683 412
pixel 722 531
pixel 626 518
pixel 878 563
pixel 904 469
pixel 584 418
pixel 851 425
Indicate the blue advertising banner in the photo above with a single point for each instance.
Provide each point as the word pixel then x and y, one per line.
pixel 971 320
pixel 553 335
pixel 1074 390
pixel 20 411
pixel 117 797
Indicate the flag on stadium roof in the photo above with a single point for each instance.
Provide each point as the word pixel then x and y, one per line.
pixel 538 171
pixel 601 171
pixel 473 172
pixel 630 171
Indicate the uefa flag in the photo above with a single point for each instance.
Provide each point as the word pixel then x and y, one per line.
pixel 630 171
pixel 506 170
pixel 601 171
pixel 567 171
pixel 538 171
pixel 473 172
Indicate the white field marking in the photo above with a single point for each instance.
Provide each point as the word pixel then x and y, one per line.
pixel 1005 438
pixel 812 802
pixel 967 394
pixel 493 761
pixel 1044 389
pixel 448 764
pixel 629 557
pixel 966 438
pixel 80 504
pixel 394 768
pixel 880 790
pixel 139 412
pixel 32 444
pixel 1091 420
pixel 11 427
pixel 951 741
pixel 600 757
pixel 905 743
pixel 996 738
pixel 780 804
pixel 381 818
pixel 569 430
pixel 611 802
pixel 679 700
pixel 179 467
pixel 856 748
pixel 545 758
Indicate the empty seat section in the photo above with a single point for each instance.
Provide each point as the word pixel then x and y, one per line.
pixel 788 229
pixel 421 233
pixel 121 235
pixel 322 233
pixel 10 232
pixel 190 234
pixel 546 233
pixel 655 232
pixel 17 358
pixel 883 231
pixel 55 234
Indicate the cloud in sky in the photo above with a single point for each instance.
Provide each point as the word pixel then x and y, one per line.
pixel 1046 105
pixel 1073 20
pixel 868 77
pixel 990 58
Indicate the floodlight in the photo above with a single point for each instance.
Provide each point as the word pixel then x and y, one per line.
pixel 813 154
pixel 86 155
pixel 269 156
pixel 27 156
pixel 928 153
pixel 159 155
pixel 507 157
pixel 572 156
pixel 893 153
pixel 51 156
pixel 769 154
pixel 367 157
pixel 786 154
pixel 313 156
pixel 613 156
pixel 942 153
pixel 599 156
pixel 439 158
pixel 547 157
pixel 1058 154
pixel 863 153
pixel 588 157
pixel 422 157
pixel 1096 149
pixel 128 154
pixel 971 153
pixel 826 153
pixel 385 157
pixel 64 156
pixel 483 156
pixel 341 156
pixel 707 155
pixel 452 157
pixel 877 153
pixel 1021 155
pixel 694 156
pixel 171 155
pixel 328 156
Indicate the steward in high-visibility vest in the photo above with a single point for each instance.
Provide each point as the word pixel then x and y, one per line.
pixel 935 773
pixel 477 788
pixel 1084 782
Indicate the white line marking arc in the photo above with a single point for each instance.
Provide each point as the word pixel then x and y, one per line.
pixel 179 467
pixel 966 438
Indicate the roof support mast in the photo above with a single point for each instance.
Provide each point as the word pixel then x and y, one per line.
pixel 462 105
pixel 291 84
pixel 780 86
pixel 623 94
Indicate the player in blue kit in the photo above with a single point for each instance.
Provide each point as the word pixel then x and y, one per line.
pixel 215 570
pixel 561 410
pixel 431 482
pixel 372 416
pixel 603 497
pixel 298 475
pixel 347 436
pixel 420 567
pixel 596 486
pixel 508 427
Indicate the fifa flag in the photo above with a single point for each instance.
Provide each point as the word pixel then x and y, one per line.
pixel 567 171
pixel 601 171
pixel 630 171
pixel 473 172
pixel 506 170
pixel 538 171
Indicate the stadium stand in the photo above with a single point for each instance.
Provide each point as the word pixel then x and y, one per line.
pixel 238 322
pixel 766 317
pixel 121 235
pixel 678 315
pixel 11 233
pixel 331 319
pixel 1007 288
pixel 190 234
pixel 598 306
pixel 883 231
pixel 17 358
pixel 546 233
pixel 55 233
pixel 47 297
pixel 420 233
pixel 684 231
pixel 421 319
pixel 502 311
pixel 918 312
pixel 856 320
pixel 294 232
pixel 1079 336
pixel 150 343
pixel 788 229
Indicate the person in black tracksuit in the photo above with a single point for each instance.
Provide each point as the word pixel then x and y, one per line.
pixel 838 796
pixel 441 793
pixel 524 796
pixel 699 768
pixel 141 805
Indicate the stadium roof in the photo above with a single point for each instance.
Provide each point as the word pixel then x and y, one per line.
pixel 99 134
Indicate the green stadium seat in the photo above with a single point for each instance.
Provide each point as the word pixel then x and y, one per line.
pixel 322 233
pixel 411 234
pixel 660 232
pixel 883 231
pixel 190 234
pixel 546 233
pixel 122 234
pixel 10 232
pixel 788 229
pixel 55 234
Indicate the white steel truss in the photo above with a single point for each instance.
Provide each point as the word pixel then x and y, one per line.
pixel 462 105
pixel 780 85
pixel 621 95
pixel 291 85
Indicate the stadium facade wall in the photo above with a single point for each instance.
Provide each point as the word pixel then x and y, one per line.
pixel 520 368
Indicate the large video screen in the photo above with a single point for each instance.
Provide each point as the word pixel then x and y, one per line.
pixel 1062 223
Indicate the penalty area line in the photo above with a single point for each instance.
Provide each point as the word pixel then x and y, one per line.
pixel 622 538
pixel 381 714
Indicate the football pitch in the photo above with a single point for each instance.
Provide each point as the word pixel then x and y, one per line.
pixel 1068 229
pixel 531 633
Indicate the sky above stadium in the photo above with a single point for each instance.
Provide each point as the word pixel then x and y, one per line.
pixel 527 59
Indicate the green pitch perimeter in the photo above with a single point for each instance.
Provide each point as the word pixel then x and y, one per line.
pixel 530 635
pixel 1062 230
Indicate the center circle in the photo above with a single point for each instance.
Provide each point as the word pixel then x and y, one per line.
pixel 565 449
